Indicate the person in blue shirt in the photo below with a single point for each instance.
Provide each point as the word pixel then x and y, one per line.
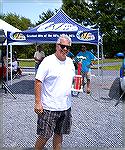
pixel 70 54
pixel 87 61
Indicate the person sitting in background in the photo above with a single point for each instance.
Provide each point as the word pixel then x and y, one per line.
pixel 38 56
pixel 15 67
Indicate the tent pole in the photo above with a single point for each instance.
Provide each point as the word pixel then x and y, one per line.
pixel 11 62
pixel 98 51
pixel 7 64
pixel 98 62
pixel 102 59
pixel 36 46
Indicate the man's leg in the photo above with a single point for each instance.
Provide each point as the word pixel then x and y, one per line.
pixel 40 143
pixel 83 81
pixel 57 141
pixel 88 86
pixel 88 75
pixel 43 129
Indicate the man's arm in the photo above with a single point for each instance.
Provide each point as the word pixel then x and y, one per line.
pixel 37 90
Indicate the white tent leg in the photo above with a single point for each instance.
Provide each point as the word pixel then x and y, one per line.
pixel 11 62
pixel 98 58
pixel 98 71
pixel 102 62
pixel 98 63
pixel 7 64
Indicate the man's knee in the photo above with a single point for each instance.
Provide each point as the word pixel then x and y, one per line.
pixel 40 143
pixel 88 76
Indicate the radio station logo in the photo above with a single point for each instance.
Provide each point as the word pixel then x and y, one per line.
pixel 86 36
pixel 18 36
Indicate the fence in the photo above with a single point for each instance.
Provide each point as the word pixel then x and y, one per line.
pixel 27 66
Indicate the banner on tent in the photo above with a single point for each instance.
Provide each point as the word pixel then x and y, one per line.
pixel 51 37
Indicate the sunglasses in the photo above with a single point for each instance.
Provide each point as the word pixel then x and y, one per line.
pixel 65 46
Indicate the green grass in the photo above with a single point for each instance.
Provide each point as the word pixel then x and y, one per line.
pixel 111 60
pixel 27 63
pixel 116 67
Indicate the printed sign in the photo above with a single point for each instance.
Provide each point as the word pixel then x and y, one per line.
pixel 51 26
pixel 17 36
pixel 86 36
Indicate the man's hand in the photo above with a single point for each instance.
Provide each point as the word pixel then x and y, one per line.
pixel 38 108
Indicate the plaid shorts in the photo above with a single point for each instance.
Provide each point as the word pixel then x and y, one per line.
pixel 50 122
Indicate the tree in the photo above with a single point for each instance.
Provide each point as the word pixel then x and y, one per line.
pixel 21 23
pixel 108 16
pixel 15 20
pixel 45 16
pixel 78 10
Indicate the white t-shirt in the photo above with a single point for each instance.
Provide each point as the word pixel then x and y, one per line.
pixel 14 65
pixel 56 77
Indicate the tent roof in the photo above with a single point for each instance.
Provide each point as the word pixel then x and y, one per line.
pixel 7 27
pixel 50 30
pixel 57 23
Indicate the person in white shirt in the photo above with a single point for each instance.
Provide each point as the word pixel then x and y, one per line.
pixel 14 66
pixel 53 83
pixel 38 56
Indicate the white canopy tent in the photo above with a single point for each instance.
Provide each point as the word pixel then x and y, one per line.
pixel 7 27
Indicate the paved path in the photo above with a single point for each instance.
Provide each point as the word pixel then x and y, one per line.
pixel 97 123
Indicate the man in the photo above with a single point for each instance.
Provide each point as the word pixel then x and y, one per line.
pixel 86 64
pixel 38 56
pixel 53 95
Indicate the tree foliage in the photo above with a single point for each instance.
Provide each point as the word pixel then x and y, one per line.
pixel 17 21
pixel 45 16
pixel 110 18
pixel 107 15
pixel 21 23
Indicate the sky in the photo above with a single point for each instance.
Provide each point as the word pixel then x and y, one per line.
pixel 30 9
